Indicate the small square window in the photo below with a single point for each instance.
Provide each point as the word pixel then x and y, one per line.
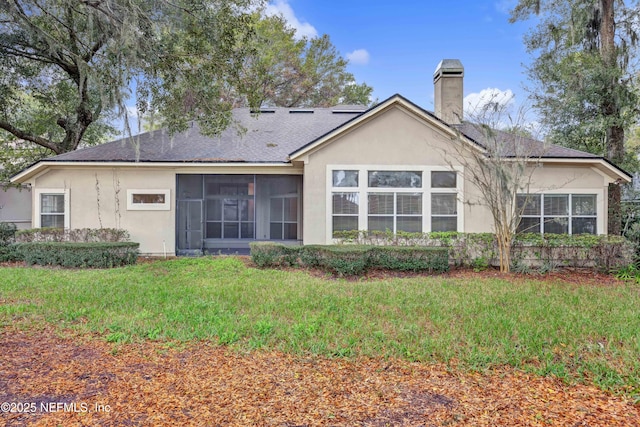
pixel 443 179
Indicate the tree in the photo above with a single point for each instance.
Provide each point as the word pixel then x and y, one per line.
pixel 501 167
pixel 283 71
pixel 75 60
pixel 585 90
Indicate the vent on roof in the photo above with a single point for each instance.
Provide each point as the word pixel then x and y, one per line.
pixel 306 111
pixel 347 111
pixel 263 111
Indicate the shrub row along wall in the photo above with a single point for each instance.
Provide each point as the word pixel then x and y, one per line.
pixel 603 253
pixel 74 254
pixel 86 247
pixel 350 260
pixel 75 235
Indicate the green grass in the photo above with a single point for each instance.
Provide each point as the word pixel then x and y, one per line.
pixel 577 333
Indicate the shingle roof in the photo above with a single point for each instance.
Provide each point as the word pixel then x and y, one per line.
pixel 265 138
pixel 273 135
pixel 517 145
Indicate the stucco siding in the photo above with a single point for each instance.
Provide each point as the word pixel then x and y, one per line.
pixel 399 139
pixel 98 198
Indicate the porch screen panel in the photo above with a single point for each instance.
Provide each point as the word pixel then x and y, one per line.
pixel 230 205
pixel 278 206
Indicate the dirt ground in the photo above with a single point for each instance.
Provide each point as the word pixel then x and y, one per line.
pixel 53 379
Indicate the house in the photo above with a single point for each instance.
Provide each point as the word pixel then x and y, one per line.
pixel 299 175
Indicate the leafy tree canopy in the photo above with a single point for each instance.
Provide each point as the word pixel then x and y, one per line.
pixel 66 66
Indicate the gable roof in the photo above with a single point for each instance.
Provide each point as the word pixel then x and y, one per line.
pixel 282 135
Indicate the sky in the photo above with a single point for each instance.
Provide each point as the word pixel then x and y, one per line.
pixel 395 46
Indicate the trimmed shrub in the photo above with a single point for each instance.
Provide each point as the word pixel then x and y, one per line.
pixel 75 254
pixel 8 251
pixel 340 260
pixel 479 250
pixel 351 260
pixel 549 251
pixel 409 258
pixel 268 254
pixel 74 235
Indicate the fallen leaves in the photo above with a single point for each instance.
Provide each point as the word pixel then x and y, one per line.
pixel 201 384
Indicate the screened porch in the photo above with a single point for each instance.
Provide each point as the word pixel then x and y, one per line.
pixel 226 212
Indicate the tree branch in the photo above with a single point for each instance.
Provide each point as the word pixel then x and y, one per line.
pixel 43 142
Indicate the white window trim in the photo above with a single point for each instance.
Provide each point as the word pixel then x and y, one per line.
pixel 363 189
pixel 37 220
pixel 149 206
pixel 600 201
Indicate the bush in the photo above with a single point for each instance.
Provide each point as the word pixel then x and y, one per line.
pixel 74 254
pixel 268 254
pixel 86 235
pixel 351 260
pixel 7 233
pixel 549 251
pixel 8 251
pixel 409 258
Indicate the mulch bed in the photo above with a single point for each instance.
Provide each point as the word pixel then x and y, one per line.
pixel 83 380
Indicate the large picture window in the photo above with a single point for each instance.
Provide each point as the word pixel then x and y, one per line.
pixel 393 200
pixel 557 213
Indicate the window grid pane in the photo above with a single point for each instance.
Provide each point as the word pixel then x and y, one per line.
pixel 556 204
pixel 381 203
pixel 395 179
pixel 443 179
pixel 409 204
pixel 345 178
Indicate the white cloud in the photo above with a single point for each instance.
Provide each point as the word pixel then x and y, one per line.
pixel 359 57
pixel 282 8
pixel 477 104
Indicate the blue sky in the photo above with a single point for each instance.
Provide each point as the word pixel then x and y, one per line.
pixel 395 46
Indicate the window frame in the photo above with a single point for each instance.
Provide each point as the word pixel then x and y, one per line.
pixel 39 192
pixel 165 206
pixel 363 191
pixel 570 193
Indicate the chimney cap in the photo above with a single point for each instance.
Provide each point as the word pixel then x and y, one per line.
pixel 449 66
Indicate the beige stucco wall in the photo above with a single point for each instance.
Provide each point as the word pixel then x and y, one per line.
pixel 98 198
pixel 399 138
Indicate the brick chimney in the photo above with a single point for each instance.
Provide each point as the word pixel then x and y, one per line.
pixel 447 81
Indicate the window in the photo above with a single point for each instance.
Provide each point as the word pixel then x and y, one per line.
pixel 395 179
pixel 557 213
pixel 444 212
pixel 345 208
pixel 393 199
pixel 395 212
pixel 53 208
pixel 148 200
pixel 345 178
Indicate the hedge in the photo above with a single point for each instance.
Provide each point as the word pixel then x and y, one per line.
pixel 351 260
pixel 479 250
pixel 74 254
pixel 7 236
pixel 86 235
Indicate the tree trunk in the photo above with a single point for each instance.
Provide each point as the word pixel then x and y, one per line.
pixel 611 109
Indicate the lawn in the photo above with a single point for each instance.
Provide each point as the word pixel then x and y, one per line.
pixel 578 333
